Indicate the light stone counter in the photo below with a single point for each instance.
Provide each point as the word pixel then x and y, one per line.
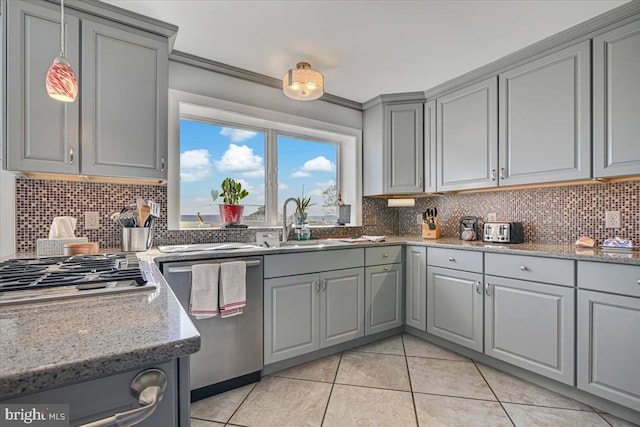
pixel 50 344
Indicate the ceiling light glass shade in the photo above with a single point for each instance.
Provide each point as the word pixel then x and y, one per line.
pixel 61 82
pixel 303 83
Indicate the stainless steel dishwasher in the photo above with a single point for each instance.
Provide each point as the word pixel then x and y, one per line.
pixel 231 352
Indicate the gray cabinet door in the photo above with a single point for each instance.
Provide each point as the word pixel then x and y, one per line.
pixel 467 137
pixel 124 103
pixel 531 325
pixel 545 119
pixel 42 133
pixel 291 307
pixel 609 347
pixel 383 296
pixel 341 306
pixel 616 101
pixel 430 147
pixel 416 287
pixel 403 140
pixel 454 306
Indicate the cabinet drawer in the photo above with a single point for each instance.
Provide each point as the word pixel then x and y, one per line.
pixel 456 259
pixel 614 278
pixel 312 262
pixel 383 255
pixel 536 269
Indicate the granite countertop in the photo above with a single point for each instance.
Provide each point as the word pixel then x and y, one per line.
pixel 50 344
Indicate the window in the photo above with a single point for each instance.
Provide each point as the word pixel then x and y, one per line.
pixel 274 155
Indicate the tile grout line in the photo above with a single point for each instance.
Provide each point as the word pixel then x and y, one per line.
pixel 468 360
pixel 605 420
pixel 413 397
pixel 243 400
pixel 333 383
pixel 494 393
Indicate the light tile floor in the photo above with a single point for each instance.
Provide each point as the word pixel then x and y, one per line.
pixel 399 381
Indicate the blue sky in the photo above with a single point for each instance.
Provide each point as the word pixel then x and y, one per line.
pixel 209 153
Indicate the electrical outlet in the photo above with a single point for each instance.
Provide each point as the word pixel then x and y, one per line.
pixel 418 219
pixel 492 216
pixel 612 219
pixel 369 219
pixel 91 220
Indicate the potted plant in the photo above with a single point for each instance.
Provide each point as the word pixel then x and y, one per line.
pixel 232 193
pixel 302 204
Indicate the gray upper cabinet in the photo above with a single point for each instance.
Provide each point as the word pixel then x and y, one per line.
pixel 545 118
pixel 42 133
pixel 118 125
pixel 455 306
pixel 383 293
pixel 341 306
pixel 531 325
pixel 393 149
pixel 416 287
pixel 616 101
pixel 430 147
pixel 467 137
pixel 124 103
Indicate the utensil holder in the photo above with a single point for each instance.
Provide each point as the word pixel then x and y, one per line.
pixel 428 233
pixel 136 239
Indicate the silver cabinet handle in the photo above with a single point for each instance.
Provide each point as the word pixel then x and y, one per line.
pixel 638 282
pixel 502 175
pixel 487 288
pixel 148 387
pixel 419 182
pixel 452 259
pixel 324 285
pixel 478 284
pixel 316 286
pixel 493 174
pixel 387 268
pixel 162 164
pixel 385 255
pixel 71 155
pixel 523 268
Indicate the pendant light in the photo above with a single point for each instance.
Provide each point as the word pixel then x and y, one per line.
pixel 61 82
pixel 304 83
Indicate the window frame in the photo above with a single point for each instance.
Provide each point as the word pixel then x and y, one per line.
pixel 184 105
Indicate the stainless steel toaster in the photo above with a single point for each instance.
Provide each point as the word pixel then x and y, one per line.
pixel 503 232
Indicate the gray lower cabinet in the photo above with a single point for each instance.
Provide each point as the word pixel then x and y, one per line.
pixel 118 125
pixel 616 95
pixel 304 313
pixel 455 306
pixel 416 287
pixel 124 102
pixel 545 118
pixel 42 133
pixel 531 325
pixel 383 294
pixel 467 137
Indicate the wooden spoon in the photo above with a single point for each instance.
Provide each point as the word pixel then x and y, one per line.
pixel 144 215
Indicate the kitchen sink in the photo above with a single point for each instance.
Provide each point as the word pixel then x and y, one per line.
pixel 313 243
pixel 228 246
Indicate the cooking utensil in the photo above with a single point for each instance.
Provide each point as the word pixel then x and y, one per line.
pixel 143 215
pixel 155 208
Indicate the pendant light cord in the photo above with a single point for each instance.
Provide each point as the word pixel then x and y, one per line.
pixel 61 27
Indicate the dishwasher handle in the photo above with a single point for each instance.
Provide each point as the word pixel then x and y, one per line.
pixel 148 387
pixel 187 269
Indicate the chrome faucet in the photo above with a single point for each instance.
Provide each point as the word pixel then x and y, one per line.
pixel 285 227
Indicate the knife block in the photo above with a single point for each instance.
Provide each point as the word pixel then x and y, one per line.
pixel 427 233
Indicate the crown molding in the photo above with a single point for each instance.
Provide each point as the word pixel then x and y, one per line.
pixel 394 97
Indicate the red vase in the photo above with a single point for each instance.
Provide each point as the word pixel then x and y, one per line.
pixel 231 214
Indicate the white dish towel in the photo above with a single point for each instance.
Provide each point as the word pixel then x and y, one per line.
pixel 203 302
pixel 233 288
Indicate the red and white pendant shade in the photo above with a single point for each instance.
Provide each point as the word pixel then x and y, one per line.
pixel 62 84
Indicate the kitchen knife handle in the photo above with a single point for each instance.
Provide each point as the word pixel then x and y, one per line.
pixel 493 174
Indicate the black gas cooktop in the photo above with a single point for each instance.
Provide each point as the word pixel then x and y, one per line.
pixel 25 280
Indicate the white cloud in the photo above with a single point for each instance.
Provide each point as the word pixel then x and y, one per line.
pixel 282 186
pixel 318 164
pixel 239 158
pixel 258 173
pixel 195 165
pixel 237 135
pixel 319 187
pixel 299 174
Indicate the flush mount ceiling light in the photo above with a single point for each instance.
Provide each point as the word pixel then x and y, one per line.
pixel 61 81
pixel 304 83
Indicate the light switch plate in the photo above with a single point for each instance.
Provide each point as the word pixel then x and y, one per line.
pixel 92 220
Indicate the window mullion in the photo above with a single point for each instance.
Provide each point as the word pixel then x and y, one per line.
pixel 271 203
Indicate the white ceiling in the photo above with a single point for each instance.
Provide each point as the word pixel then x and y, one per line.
pixel 365 48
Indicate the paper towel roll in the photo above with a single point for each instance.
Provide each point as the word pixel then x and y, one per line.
pixel 63 227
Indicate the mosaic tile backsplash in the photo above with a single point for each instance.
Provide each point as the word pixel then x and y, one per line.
pixel 550 215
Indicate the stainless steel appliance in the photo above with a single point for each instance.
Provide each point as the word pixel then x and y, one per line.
pixel 41 279
pixel 231 351
pixel 503 232
pixel 469 228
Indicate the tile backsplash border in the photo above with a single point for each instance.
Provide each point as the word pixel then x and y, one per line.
pixel 550 214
